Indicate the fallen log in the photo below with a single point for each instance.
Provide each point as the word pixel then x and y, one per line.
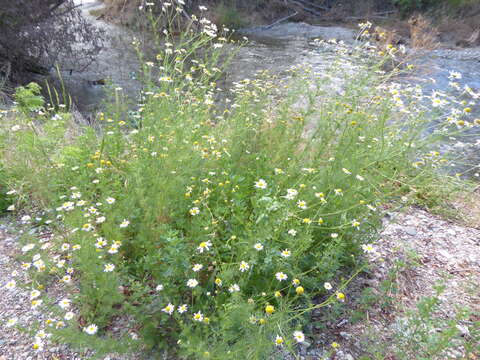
pixel 280 20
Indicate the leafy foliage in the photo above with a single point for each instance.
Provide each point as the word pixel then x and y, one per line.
pixel 29 98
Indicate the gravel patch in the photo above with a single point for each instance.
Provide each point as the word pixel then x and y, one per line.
pixel 15 303
pixel 434 251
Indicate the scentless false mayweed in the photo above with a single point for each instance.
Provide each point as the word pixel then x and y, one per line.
pixel 91 329
pixel 10 285
pixel 279 340
pixel 281 276
pixel 285 253
pixel 108 268
pixel 204 246
pixel 291 194
pixel 369 249
pixel 169 309
pixel 38 344
pixel 64 303
pixel 11 322
pixel 182 308
pixel 36 303
pixel 191 283
pixel 261 184
pixel 233 288
pixel 244 266
pixel 198 316
pixel 269 309
pixel 197 267
pixel 194 211
pixel 258 247
pixel 298 336
pixel 34 294
pixel 302 204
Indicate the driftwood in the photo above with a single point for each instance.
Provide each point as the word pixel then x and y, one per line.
pixel 280 20
pixel 474 37
pixel 303 5
pixel 266 27
pixel 471 41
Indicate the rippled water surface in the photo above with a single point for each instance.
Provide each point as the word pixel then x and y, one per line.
pixel 275 49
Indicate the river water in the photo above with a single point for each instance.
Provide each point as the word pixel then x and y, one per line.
pixel 276 49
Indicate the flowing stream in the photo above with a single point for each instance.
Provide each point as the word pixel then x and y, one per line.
pixel 273 48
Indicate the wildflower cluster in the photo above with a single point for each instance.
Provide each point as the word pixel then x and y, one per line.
pixel 215 227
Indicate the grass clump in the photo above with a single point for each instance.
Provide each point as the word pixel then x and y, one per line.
pixel 210 222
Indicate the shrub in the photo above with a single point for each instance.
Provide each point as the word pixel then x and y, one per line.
pixel 210 223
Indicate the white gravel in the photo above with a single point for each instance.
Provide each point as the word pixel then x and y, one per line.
pixel 15 303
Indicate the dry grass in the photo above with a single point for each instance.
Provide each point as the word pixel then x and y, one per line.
pixel 386 36
pixel 423 35
pixel 120 11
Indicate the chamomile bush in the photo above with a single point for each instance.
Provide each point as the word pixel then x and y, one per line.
pixel 209 224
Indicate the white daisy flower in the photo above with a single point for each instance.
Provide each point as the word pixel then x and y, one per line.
pixel 299 336
pixel 261 184
pixel 191 283
pixel 281 276
pixel 91 329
